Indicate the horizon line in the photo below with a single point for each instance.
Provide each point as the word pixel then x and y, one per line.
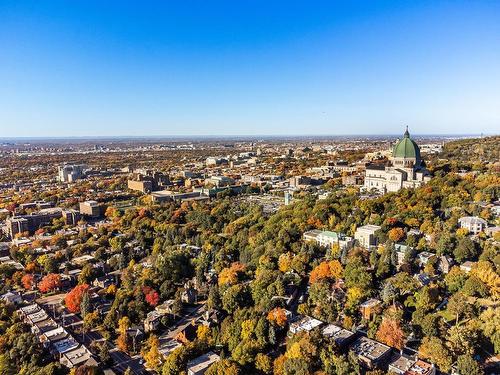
pixel 244 136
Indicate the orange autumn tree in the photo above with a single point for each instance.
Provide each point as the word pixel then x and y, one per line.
pixel 31 267
pixel 390 333
pixel 49 283
pixel 27 281
pixel 122 342
pixel 326 270
pixel 277 316
pixel 74 298
pixel 231 274
pixel 396 234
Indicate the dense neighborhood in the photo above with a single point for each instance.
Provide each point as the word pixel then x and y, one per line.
pixel 290 257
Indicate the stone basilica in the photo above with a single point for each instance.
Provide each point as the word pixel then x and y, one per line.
pixel 406 169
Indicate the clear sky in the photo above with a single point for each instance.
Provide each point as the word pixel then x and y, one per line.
pixel 188 67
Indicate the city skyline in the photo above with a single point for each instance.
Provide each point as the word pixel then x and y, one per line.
pixel 173 70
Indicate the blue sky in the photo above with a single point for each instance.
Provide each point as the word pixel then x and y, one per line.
pixel 85 68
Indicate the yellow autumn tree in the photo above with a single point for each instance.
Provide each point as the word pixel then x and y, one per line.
pixel 123 325
pixel 484 271
pixel 203 333
pixel 435 350
pixel 247 328
pixel 354 296
pixel 285 262
pixel 279 365
pixel 153 355
pixel 301 349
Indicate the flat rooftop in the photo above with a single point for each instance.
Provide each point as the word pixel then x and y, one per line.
pixel 78 355
pixel 202 362
pixel 337 333
pixel 401 363
pixel 30 309
pixel 369 227
pixel 37 316
pixel 369 348
pixel 307 323
pixel 420 368
pixel 65 345
pixel 372 302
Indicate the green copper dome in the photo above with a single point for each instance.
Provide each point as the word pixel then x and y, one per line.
pixel 406 148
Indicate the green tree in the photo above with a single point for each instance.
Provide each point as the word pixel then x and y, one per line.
pixel 355 274
pixel 465 250
pixel 431 325
pixel 389 293
pixel 466 365
pixel 455 279
pixel 459 307
pixel 175 362
pixel 234 297
pixel 85 305
pixel 489 324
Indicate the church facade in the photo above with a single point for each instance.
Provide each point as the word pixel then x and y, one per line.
pixel 406 169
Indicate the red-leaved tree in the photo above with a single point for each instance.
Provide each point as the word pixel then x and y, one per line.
pixel 74 298
pixel 152 297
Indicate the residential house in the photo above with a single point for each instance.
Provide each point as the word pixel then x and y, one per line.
pixel 78 357
pixel 399 364
pixel 200 365
pixel 421 368
pixel 212 317
pixel 189 294
pixel 60 347
pixel 152 321
pixel 12 298
pixel 445 263
pixel 103 282
pixel 467 266
pixel 473 224
pixel 424 257
pixel 365 235
pixel 370 308
pixel 166 307
pixel 423 279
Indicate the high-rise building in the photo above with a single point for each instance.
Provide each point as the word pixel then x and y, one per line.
pixel 91 208
pixel 70 172
pixel 147 181
pixel 30 223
